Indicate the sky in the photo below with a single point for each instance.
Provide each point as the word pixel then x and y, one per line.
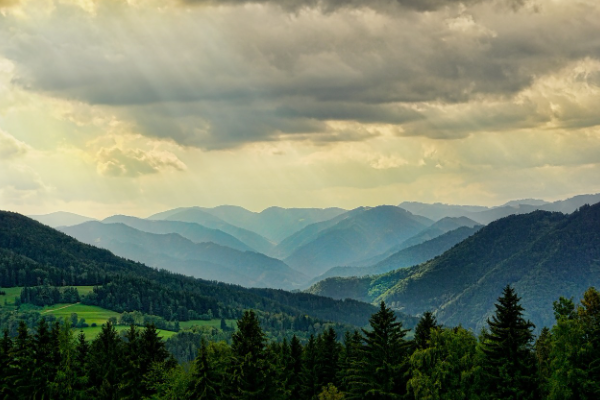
pixel 134 107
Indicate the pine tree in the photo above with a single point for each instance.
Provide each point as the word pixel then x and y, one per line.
pixel 6 390
pixel 106 362
pixel 382 370
pixel 423 330
pixel 294 368
pixel 309 377
pixel 206 383
pixel 22 363
pixel 250 368
pixel 507 347
pixel 328 354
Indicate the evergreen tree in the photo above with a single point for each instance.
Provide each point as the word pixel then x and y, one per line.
pixel 508 352
pixel 294 368
pixel 328 353
pixel 543 347
pixel 349 359
pixel 6 390
pixel 443 370
pixel 309 377
pixel 106 362
pixel 423 330
pixel 382 371
pixel 21 365
pixel 251 371
pixel 206 383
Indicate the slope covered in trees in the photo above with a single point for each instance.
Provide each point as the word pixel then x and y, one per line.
pixel 540 253
pixel 405 258
pixel 361 235
pixel 32 254
pixel 506 361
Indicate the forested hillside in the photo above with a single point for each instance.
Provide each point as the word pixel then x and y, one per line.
pixel 33 254
pixel 407 257
pixel 540 253
pixel 506 360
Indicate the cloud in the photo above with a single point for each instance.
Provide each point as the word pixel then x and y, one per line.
pixel 333 5
pixel 8 3
pixel 11 147
pixel 220 77
pixel 116 162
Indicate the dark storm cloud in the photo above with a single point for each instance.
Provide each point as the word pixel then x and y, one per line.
pixel 221 77
pixel 332 5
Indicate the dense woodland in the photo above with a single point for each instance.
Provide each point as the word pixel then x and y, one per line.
pixel 33 255
pixel 505 361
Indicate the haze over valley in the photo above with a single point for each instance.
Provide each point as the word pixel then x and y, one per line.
pixel 299 199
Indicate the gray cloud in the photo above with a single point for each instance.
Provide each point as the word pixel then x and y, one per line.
pixel 8 3
pixel 224 76
pixel 333 5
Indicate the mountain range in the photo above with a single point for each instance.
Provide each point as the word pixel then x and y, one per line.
pixel 485 215
pixel 176 253
pixel 32 253
pixel 542 254
pixel 364 234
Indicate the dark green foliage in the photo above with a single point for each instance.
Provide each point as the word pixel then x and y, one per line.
pixel 423 330
pixel 209 373
pixel 48 362
pixel 250 370
pixel 508 352
pixel 381 371
pixel 543 254
pixel 33 255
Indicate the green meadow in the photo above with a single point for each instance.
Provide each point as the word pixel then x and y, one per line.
pixel 91 314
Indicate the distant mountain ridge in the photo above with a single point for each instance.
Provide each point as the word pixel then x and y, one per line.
pixel 194 232
pixel 404 258
pixel 173 252
pixel 358 234
pixel 199 216
pixel 542 254
pixel 61 218
pixel 485 215
pixel 31 252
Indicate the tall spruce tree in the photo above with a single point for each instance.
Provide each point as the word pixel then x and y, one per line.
pixel 507 347
pixel 328 354
pixel 423 330
pixel 250 368
pixel 381 373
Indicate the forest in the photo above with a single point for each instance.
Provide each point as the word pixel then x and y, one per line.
pixel 504 361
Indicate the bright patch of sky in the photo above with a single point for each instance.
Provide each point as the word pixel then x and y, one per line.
pixel 134 107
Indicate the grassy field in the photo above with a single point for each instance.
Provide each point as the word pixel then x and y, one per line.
pixel 216 323
pixel 11 295
pixel 92 331
pixel 91 314
pixel 14 292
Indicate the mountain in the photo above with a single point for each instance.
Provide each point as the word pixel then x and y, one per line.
pixel 404 258
pixel 31 252
pixel 437 211
pixel 194 232
pixel 528 202
pixel 310 233
pixel 198 216
pixel 175 253
pixel 361 234
pixel 485 215
pixel 542 254
pixel 274 223
pixel 442 226
pixel 61 218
